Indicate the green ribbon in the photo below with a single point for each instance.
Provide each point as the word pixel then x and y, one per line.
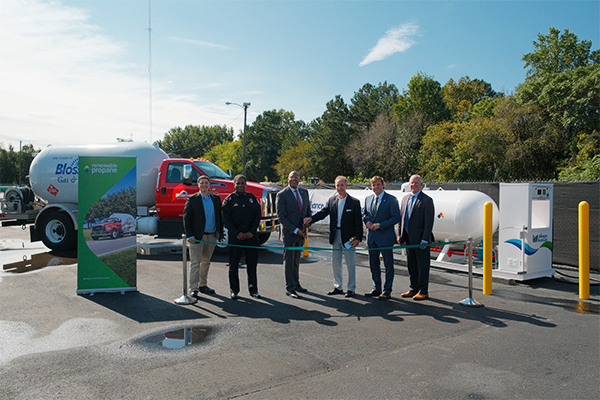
pixel 404 246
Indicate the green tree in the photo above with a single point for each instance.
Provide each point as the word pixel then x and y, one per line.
pixel 332 132
pixel 369 102
pixel 555 53
pixel 461 96
pixel 424 95
pixel 226 156
pixel 388 148
pixel 518 142
pixel 294 159
pixel 564 81
pixel 268 137
pixel 586 166
pixel 571 98
pixel 14 165
pixel 194 141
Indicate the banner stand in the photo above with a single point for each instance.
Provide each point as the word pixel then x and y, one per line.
pixel 106 234
pixel 470 301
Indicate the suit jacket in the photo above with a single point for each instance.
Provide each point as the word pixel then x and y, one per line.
pixel 388 215
pixel 351 223
pixel 420 223
pixel 289 214
pixel 194 219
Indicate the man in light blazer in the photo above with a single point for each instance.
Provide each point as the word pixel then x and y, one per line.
pixel 380 215
pixel 293 205
pixel 345 229
pixel 418 214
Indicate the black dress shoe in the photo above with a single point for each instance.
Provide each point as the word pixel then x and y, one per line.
pixel 373 293
pixel 233 295
pixel 385 296
pixel 335 291
pixel 256 295
pixel 194 293
pixel 349 293
pixel 206 290
pixel 292 294
pixel 301 289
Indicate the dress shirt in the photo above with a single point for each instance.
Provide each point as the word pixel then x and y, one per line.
pixel 340 211
pixel 209 213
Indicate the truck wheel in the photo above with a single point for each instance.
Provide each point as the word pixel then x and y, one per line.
pixel 222 248
pixel 263 237
pixel 114 234
pixel 57 231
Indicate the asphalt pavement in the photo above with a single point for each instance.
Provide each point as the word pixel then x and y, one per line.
pixel 530 340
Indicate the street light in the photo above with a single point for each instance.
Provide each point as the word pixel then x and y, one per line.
pixel 245 107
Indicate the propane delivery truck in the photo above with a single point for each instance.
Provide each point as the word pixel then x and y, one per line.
pixel 163 186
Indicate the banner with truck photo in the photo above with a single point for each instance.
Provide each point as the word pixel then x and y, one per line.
pixel 106 250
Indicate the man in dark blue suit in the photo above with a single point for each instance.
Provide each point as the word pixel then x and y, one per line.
pixel 293 205
pixel 345 233
pixel 415 228
pixel 380 215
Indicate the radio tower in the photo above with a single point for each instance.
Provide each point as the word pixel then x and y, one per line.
pixel 150 62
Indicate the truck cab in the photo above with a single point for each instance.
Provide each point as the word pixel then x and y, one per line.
pixel 176 181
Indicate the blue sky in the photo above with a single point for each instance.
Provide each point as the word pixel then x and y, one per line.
pixel 77 71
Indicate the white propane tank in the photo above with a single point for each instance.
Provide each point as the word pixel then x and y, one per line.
pixel 459 214
pixel 54 171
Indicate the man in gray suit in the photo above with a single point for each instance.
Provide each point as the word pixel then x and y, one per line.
pixel 293 205
pixel 418 214
pixel 380 215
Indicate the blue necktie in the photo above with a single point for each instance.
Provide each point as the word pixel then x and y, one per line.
pixel 408 211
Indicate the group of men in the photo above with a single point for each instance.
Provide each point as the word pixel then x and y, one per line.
pixel 387 223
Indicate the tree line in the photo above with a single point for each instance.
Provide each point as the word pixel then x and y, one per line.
pixel 461 131
pixel 547 129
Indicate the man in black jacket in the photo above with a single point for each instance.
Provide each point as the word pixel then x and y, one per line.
pixel 202 222
pixel 241 216
pixel 345 232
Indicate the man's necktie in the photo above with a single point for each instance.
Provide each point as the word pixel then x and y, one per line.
pixel 375 206
pixel 408 211
pixel 298 198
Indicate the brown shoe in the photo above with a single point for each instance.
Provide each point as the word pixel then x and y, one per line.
pixel 410 293
pixel 420 296
pixel 385 296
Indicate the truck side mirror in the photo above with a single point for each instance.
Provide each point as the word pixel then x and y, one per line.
pixel 187 174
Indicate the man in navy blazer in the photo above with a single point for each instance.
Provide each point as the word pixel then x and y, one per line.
pixel 380 215
pixel 345 232
pixel 202 222
pixel 415 228
pixel 293 205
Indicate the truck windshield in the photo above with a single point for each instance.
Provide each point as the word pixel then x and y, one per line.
pixel 211 170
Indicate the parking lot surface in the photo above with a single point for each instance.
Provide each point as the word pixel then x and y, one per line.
pixel 531 340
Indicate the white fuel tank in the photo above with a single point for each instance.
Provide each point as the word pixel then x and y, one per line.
pixel 459 214
pixel 54 171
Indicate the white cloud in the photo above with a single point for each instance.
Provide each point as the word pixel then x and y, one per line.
pixel 199 43
pixel 63 80
pixel 395 40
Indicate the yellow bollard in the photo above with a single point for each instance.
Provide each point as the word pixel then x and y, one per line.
pixel 584 250
pixel 487 248
pixel 305 252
